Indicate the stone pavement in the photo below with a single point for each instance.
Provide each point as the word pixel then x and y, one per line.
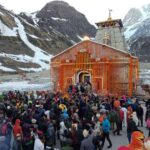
pixel 118 140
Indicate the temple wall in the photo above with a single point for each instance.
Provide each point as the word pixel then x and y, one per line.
pixel 96 50
pixel 111 70
pixel 117 39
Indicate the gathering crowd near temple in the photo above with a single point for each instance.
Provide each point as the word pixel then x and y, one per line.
pixel 93 98
pixel 77 120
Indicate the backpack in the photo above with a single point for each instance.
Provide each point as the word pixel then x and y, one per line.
pixel 112 116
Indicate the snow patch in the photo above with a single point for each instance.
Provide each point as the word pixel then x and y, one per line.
pixel 19 58
pixel 2 14
pixel 31 69
pixel 33 16
pixel 145 10
pixel 6 31
pixel 40 56
pixel 129 32
pixel 7 69
pixel 48 39
pixel 28 23
pixel 59 19
pixel 73 42
pixel 24 86
pixel 79 37
pixel 33 36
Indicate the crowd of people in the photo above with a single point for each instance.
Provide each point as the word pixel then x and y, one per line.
pixel 77 120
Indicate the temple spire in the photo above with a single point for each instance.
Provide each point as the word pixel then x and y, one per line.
pixel 109 17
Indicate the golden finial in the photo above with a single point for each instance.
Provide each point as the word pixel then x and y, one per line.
pixel 109 17
pixel 86 38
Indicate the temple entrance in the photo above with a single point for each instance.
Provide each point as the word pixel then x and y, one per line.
pixel 83 77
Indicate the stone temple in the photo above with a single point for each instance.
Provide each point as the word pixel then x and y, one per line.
pixel 110 32
pixel 104 62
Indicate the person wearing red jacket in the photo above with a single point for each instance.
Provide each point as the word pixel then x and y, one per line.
pixel 17 130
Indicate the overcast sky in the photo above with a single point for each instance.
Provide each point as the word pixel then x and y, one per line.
pixel 95 10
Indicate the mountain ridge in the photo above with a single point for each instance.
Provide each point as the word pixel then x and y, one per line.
pixel 24 38
pixel 137 31
pixel 27 44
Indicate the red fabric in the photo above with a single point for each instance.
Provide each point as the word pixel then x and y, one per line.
pixel 137 141
pixel 121 113
pixel 17 128
pixel 73 89
pixel 148 122
pixel 101 118
pixel 123 148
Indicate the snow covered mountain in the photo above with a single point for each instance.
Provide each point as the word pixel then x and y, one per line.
pixel 65 19
pixel 28 41
pixel 137 31
pixel 26 47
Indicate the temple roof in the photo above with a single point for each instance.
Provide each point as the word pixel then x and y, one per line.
pixel 64 51
pixel 110 22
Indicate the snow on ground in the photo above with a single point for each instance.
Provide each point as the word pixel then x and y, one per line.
pixel 28 23
pixel 30 69
pixel 1 14
pixel 145 76
pixel 33 36
pixel 24 86
pixel 7 69
pixel 59 19
pixel 129 32
pixel 79 37
pixel 33 17
pixel 19 58
pixel 145 12
pixel 5 31
pixel 40 55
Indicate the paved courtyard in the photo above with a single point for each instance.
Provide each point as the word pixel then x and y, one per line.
pixel 118 140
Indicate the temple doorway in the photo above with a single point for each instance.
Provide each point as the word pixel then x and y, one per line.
pixel 83 77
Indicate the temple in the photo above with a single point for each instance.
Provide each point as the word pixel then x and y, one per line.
pixel 105 62
pixel 110 32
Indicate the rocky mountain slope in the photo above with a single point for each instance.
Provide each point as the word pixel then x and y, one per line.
pixel 137 31
pixel 28 41
pixel 65 19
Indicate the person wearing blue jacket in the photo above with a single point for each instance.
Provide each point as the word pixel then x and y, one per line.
pixel 106 130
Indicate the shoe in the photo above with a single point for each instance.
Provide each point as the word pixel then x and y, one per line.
pixel 119 134
pixel 109 146
pixel 114 132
